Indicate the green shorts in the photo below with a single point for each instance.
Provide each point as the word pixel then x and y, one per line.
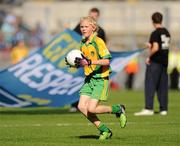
pixel 95 88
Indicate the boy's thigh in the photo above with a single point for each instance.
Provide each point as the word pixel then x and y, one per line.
pixel 96 89
pixel 84 100
pixel 100 90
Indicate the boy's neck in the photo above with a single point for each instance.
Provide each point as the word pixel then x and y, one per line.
pixel 88 39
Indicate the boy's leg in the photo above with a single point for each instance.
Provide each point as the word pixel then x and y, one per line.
pixel 90 107
pixel 100 92
pixel 94 107
pixel 105 132
pixel 119 110
pixel 83 105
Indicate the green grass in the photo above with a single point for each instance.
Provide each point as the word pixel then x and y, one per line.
pixel 58 127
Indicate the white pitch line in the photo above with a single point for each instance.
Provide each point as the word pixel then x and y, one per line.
pixel 82 124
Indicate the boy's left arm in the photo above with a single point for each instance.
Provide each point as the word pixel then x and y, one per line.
pixel 101 62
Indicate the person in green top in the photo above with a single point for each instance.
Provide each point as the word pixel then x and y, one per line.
pixel 96 64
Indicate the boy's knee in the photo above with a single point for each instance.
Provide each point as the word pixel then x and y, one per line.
pixel 91 110
pixel 81 108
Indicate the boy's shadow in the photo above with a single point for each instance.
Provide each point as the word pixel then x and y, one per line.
pixel 88 137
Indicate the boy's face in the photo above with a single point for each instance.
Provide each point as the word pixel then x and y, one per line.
pixel 86 28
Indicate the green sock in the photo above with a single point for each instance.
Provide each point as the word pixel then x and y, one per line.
pixel 103 128
pixel 115 108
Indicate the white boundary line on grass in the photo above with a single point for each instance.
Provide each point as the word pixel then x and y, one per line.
pixel 82 124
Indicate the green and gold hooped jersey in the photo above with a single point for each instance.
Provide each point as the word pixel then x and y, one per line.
pixel 95 50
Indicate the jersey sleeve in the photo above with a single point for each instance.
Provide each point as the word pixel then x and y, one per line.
pixel 154 37
pixel 103 51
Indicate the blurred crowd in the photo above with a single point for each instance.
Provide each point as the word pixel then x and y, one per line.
pixel 17 38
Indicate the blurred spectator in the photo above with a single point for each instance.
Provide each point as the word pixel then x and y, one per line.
pixel 174 68
pixel 131 69
pixel 40 30
pixel 3 48
pixel 22 28
pixel 2 15
pixel 2 43
pixel 22 25
pixel 156 77
pixel 35 39
pixel 19 52
pixel 95 14
pixel 9 28
pixel 19 35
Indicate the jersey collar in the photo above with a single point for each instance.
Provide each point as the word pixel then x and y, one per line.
pixel 91 38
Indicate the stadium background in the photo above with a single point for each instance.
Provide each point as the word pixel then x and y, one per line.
pixel 128 24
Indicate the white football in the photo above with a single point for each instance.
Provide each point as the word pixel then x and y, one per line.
pixel 71 56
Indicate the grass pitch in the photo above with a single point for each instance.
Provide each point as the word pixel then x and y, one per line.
pixel 58 127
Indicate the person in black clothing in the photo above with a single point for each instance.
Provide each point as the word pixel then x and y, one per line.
pixel 95 14
pixel 156 77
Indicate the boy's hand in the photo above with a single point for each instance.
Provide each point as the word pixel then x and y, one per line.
pixel 82 61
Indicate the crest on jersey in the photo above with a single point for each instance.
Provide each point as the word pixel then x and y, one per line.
pixel 92 53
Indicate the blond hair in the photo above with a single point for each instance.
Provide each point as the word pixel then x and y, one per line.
pixel 91 21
